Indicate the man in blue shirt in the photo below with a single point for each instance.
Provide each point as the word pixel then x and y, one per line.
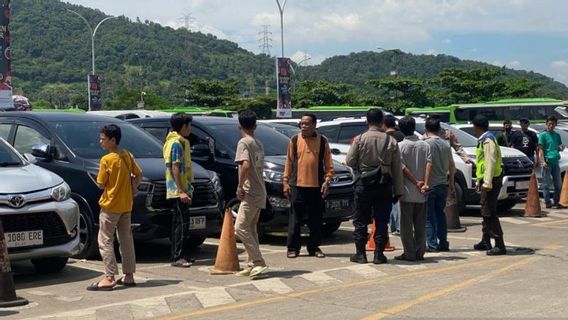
pixel 549 145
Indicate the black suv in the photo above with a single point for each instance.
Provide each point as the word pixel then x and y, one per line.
pixel 213 143
pixel 68 144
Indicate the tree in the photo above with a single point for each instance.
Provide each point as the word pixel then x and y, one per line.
pixel 210 93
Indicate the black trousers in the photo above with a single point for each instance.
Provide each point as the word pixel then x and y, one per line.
pixel 372 202
pixel 491 227
pixel 180 228
pixel 307 206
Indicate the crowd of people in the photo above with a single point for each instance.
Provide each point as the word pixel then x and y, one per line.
pixel 398 176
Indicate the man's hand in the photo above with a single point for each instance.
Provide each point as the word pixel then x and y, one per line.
pixel 544 165
pixel 425 189
pixel 324 189
pixel 395 199
pixel 451 188
pixel 420 184
pixel 241 193
pixel 184 197
pixel 286 190
pixel 478 187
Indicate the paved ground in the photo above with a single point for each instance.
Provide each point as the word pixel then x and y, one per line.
pixel 530 282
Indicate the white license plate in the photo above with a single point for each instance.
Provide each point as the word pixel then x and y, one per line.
pixel 198 222
pixel 521 185
pixel 24 238
pixel 337 204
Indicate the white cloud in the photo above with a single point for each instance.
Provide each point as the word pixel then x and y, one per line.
pixel 346 22
pixel 559 64
pixel 302 57
pixel 431 52
pixel 514 64
pixel 447 41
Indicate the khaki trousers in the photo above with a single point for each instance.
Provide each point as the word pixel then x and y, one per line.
pixel 109 223
pixel 247 231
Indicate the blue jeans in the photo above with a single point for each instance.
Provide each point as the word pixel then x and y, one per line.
pixel 395 217
pixel 436 226
pixel 554 171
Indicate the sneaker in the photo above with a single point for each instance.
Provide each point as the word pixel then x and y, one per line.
pixel 548 205
pixel 181 263
pixel 258 271
pixel 244 273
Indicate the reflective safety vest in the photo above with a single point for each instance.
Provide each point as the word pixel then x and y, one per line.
pixel 480 157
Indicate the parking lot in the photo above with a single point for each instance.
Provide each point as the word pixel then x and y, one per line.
pixel 529 282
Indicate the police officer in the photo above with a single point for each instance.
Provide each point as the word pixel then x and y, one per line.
pixel 370 150
pixel 488 173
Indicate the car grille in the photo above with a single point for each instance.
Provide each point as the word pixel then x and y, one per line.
pixel 515 166
pixel 203 195
pixel 342 179
pixel 54 231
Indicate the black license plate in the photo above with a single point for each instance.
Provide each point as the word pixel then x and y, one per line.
pixel 337 204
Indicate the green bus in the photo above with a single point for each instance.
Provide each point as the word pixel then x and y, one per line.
pixel 326 113
pixel 198 111
pixel 535 109
pixel 445 113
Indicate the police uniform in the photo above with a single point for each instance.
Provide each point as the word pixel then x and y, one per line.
pixel 374 201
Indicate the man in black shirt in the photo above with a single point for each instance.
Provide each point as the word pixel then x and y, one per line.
pixel 525 140
pixel 505 139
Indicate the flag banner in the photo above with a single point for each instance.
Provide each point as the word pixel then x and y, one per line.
pixel 6 102
pixel 94 92
pixel 283 85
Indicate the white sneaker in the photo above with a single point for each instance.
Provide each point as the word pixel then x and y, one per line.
pixel 258 272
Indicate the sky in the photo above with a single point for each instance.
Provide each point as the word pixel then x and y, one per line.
pixel 520 34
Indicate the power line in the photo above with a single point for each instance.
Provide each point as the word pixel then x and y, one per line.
pixel 265 40
pixel 187 20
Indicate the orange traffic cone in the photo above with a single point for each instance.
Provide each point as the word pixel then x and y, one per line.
pixel 564 193
pixel 227 260
pixel 532 206
pixel 8 297
pixel 371 242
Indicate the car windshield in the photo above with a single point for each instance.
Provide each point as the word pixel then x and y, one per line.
pixel 228 135
pixel 8 157
pixel 287 130
pixel 464 138
pixel 83 139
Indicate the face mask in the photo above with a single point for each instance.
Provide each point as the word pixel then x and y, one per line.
pixel 508 130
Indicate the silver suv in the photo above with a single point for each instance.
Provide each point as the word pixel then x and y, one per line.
pixel 40 219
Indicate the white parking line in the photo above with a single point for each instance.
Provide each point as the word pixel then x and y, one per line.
pixel 557 215
pixel 320 278
pixel 215 296
pixel 272 285
pixel 514 220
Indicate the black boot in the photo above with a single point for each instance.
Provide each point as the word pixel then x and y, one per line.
pixel 499 249
pixel 484 244
pixel 361 255
pixel 379 257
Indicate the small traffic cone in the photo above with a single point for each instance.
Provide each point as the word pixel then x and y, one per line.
pixel 532 206
pixel 227 260
pixel 453 215
pixel 564 193
pixel 8 297
pixel 371 242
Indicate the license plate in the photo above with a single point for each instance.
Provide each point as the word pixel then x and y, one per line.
pixel 336 204
pixel 521 185
pixel 24 238
pixel 197 222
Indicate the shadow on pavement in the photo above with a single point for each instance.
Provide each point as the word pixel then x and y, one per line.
pixel 8 313
pixel 25 277
pixel 286 274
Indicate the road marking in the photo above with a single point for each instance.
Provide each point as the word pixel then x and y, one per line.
pixel 215 296
pixel 320 278
pixel 269 300
pixel 514 220
pixel 394 310
pixel 271 285
pixel 366 271
pixel 557 215
pixel 539 219
pixel 551 223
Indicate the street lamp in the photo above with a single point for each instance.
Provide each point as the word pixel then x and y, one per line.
pixel 281 9
pixel 93 32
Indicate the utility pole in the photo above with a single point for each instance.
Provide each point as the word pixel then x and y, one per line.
pixel 186 19
pixel 281 10
pixel 265 40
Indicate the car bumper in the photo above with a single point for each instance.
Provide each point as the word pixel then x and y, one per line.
pixel 59 222
pixel 513 187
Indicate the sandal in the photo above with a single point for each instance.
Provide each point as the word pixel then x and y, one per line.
pixel 292 254
pixel 181 263
pixel 95 287
pixel 317 254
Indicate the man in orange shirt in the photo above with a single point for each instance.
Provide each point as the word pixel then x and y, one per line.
pixel 115 178
pixel 307 175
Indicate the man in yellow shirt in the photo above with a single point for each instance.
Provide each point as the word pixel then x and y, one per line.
pixel 116 169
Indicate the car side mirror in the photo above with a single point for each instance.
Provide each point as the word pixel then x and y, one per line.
pixel 200 150
pixel 335 151
pixel 30 158
pixel 43 151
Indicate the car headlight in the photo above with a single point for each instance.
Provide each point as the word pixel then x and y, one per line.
pixel 272 176
pixel 61 192
pixel 216 181
pixel 279 202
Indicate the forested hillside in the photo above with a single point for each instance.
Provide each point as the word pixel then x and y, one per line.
pixel 51 50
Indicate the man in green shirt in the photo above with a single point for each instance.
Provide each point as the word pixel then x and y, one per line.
pixel 549 145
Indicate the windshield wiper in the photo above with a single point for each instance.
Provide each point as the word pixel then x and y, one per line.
pixel 9 164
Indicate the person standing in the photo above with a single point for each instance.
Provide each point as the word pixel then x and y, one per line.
pixel 505 139
pixel 307 174
pixel 489 180
pixel 371 150
pixel 116 169
pixel 549 145
pixel 416 166
pixel 179 190
pixel 525 140
pixel 251 191
pixel 391 130
pixel 440 185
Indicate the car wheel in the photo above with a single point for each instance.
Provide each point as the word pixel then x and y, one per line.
pixel 506 205
pixel 328 228
pixel 49 265
pixel 87 245
pixel 194 242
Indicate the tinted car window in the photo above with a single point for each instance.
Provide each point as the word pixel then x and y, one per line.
pixel 26 138
pixel 228 135
pixel 83 139
pixel 348 132
pixel 329 132
pixel 464 138
pixel 159 133
pixel 8 156
pixel 5 131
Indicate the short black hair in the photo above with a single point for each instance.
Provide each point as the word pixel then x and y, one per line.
pixel 389 121
pixel 551 119
pixel 178 120
pixel 247 119
pixel 481 122
pixel 433 124
pixel 407 125
pixel 524 120
pixel 507 121
pixel 311 115
pixel 374 116
pixel 112 131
